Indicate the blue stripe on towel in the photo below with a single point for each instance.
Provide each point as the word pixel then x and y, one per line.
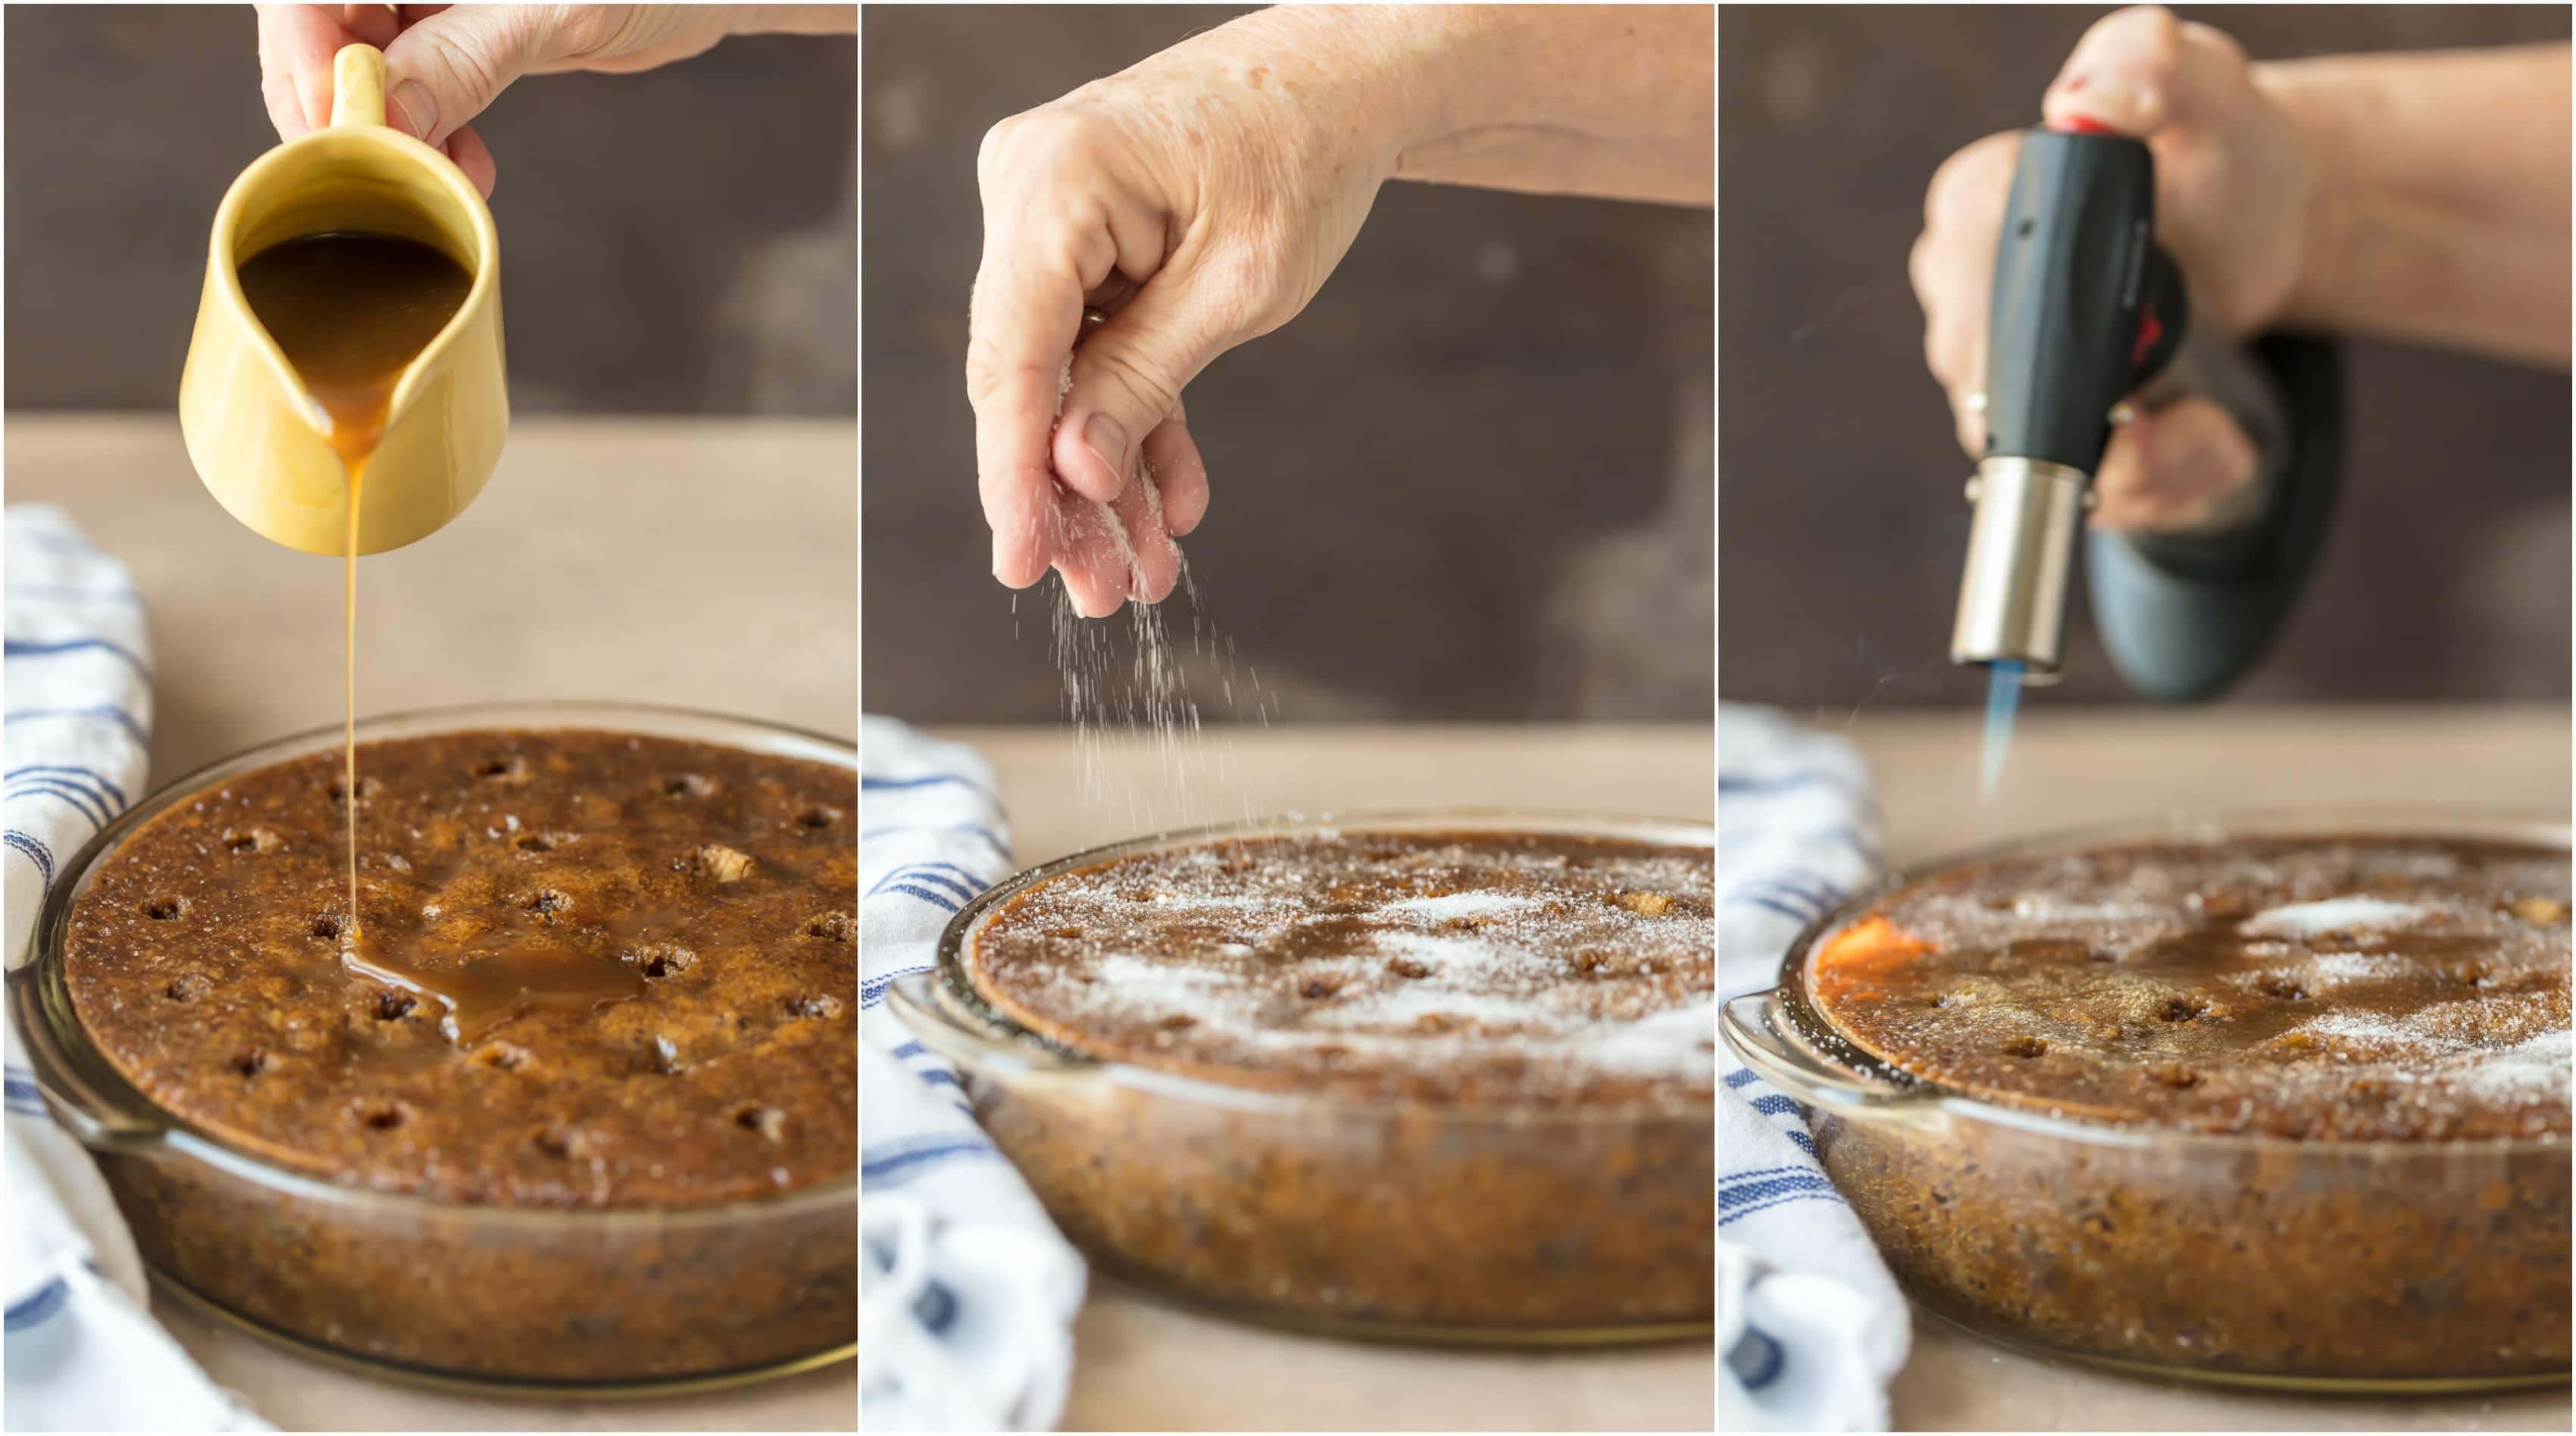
pixel 25 1097
pixel 870 1171
pixel 1768 1189
pixel 925 873
pixel 36 851
pixel 105 784
pixel 90 805
pixel 1749 1175
pixel 977 883
pixel 872 991
pixel 37 1309
pixel 1771 904
pixel 1826 1194
pixel 936 1306
pixel 1757 1360
pixel 29 648
pixel 124 719
pixel 936 900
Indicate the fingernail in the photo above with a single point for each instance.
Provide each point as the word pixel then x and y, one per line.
pixel 1106 438
pixel 413 109
pixel 2114 100
pixel 997 556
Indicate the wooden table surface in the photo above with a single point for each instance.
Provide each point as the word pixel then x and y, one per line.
pixel 2071 767
pixel 708 563
pixel 1141 1365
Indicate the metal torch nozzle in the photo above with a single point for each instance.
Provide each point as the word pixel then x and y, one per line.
pixel 2021 551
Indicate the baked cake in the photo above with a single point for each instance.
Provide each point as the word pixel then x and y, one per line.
pixel 1474 968
pixel 2395 988
pixel 1441 1083
pixel 2322 1085
pixel 596 976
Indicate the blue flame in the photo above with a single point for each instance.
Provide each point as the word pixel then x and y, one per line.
pixel 2003 699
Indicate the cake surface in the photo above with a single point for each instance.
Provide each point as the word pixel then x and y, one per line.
pixel 1458 967
pixel 592 969
pixel 2356 987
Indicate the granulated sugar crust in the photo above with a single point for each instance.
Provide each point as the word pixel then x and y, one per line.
pixel 2351 987
pixel 1477 968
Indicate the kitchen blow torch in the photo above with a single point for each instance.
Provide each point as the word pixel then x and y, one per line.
pixel 2089 317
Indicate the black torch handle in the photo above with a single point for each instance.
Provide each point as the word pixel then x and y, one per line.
pixel 2086 306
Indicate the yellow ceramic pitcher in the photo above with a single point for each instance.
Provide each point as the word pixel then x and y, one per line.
pixel 257 438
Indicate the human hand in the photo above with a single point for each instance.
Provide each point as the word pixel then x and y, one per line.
pixel 1199 199
pixel 445 63
pixel 2237 185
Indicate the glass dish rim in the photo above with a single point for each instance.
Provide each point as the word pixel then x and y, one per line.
pixel 939 1004
pixel 1893 1095
pixel 122 1120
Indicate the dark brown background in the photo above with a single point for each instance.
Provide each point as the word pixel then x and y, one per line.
pixel 1472 481
pixel 1841 527
pixel 678 241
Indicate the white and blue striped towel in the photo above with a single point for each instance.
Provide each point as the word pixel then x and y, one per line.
pixel 83 1350
pixel 969 1290
pixel 1810 1324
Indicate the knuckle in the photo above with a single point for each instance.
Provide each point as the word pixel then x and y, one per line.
pixel 1051 138
pixel 577 29
pixel 1143 384
pixel 1968 188
pixel 2214 43
pixel 469 65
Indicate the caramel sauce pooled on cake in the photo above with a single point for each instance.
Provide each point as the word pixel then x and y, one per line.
pixel 2348 988
pixel 598 969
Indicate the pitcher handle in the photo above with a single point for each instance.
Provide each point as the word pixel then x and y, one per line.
pixel 358 86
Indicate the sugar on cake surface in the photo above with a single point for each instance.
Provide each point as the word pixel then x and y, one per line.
pixel 2356 987
pixel 1450 967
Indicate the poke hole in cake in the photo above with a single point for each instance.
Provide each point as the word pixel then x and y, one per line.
pixel 593 969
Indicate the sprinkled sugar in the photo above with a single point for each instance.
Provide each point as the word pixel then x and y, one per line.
pixel 1446 967
pixel 2343 914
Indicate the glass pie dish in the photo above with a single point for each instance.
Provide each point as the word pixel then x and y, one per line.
pixel 1412 1220
pixel 2249 1259
pixel 534 1299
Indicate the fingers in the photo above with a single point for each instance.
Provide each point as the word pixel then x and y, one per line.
pixel 2171 468
pixel 1091 556
pixel 296 43
pixel 1179 473
pixel 371 24
pixel 444 69
pixel 1020 326
pixel 2139 70
pixel 1127 379
pixel 1155 560
pixel 474 157
pixel 1953 267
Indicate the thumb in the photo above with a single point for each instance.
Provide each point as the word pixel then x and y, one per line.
pixel 2170 468
pixel 2141 69
pixel 1127 379
pixel 444 70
